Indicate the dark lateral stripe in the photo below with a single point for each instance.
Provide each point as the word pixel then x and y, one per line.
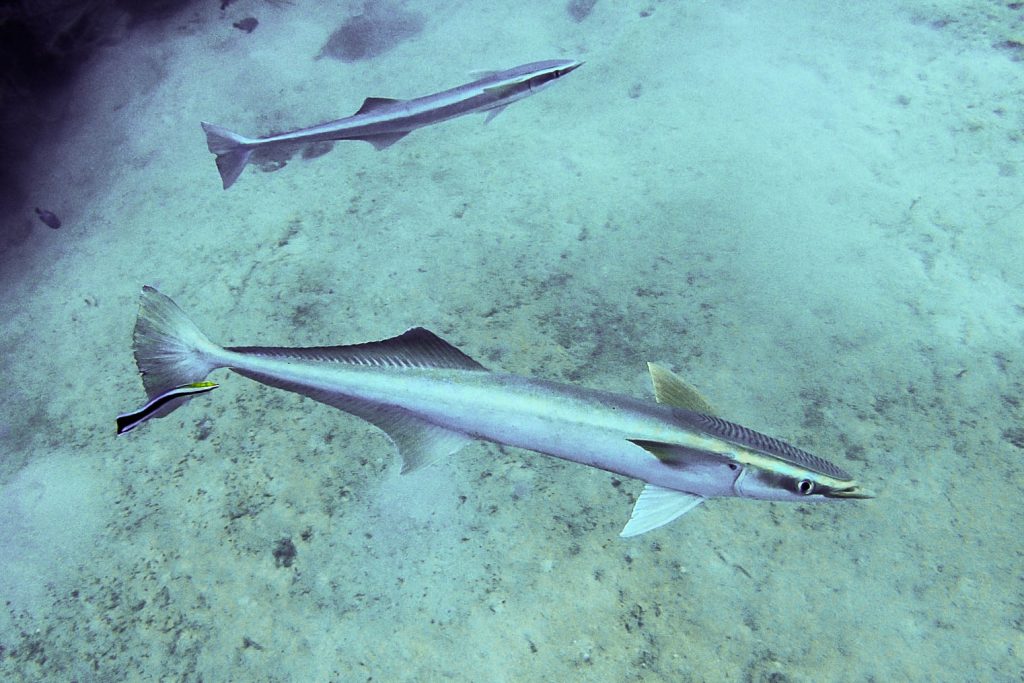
pixel 129 421
pixel 768 444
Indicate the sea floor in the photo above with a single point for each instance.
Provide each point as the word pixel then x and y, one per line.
pixel 811 211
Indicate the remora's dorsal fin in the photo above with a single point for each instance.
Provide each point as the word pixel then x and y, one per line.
pixel 657 506
pixel 415 348
pixel 672 390
pixel 375 104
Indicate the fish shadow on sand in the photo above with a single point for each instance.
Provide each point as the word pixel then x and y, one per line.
pixel 380 28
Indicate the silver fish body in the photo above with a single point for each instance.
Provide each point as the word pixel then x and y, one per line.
pixel 384 121
pixel 432 399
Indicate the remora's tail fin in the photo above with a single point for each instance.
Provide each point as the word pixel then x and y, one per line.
pixel 232 150
pixel 169 349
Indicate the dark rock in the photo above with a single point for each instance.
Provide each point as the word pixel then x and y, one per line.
pixel 248 24
pixel 284 553
pixel 48 217
pixel 580 9
pixel 372 33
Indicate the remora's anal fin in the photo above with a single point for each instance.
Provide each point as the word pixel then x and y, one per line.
pixel 383 141
pixel 672 390
pixel 376 104
pixel 657 506
pixel 418 442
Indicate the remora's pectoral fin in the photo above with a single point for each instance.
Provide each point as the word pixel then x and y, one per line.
pixel 494 112
pixel 674 454
pixel 672 390
pixel 656 507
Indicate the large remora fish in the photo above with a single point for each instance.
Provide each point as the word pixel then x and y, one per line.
pixel 383 122
pixel 432 399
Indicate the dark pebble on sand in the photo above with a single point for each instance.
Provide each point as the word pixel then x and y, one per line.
pixel 248 24
pixel 284 553
pixel 580 9
pixel 48 217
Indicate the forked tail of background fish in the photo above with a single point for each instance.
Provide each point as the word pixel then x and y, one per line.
pixel 233 151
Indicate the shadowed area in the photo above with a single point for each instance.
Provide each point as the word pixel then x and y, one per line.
pixel 380 28
pixel 43 45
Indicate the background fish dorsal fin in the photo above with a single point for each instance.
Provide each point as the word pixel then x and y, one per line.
pixel 672 390
pixel 376 104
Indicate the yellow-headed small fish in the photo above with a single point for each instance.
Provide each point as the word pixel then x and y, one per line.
pixel 161 404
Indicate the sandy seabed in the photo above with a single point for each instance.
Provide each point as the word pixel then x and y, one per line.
pixel 813 213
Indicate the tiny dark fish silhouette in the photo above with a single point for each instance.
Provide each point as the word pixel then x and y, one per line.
pixel 248 24
pixel 48 217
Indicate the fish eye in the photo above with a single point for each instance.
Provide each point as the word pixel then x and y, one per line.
pixel 805 487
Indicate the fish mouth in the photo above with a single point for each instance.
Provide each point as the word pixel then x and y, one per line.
pixel 851 491
pixel 575 64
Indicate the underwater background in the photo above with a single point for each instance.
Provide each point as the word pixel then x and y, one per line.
pixel 811 211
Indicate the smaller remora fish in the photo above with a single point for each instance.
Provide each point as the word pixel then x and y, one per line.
pixel 432 399
pixel 162 404
pixel 382 121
